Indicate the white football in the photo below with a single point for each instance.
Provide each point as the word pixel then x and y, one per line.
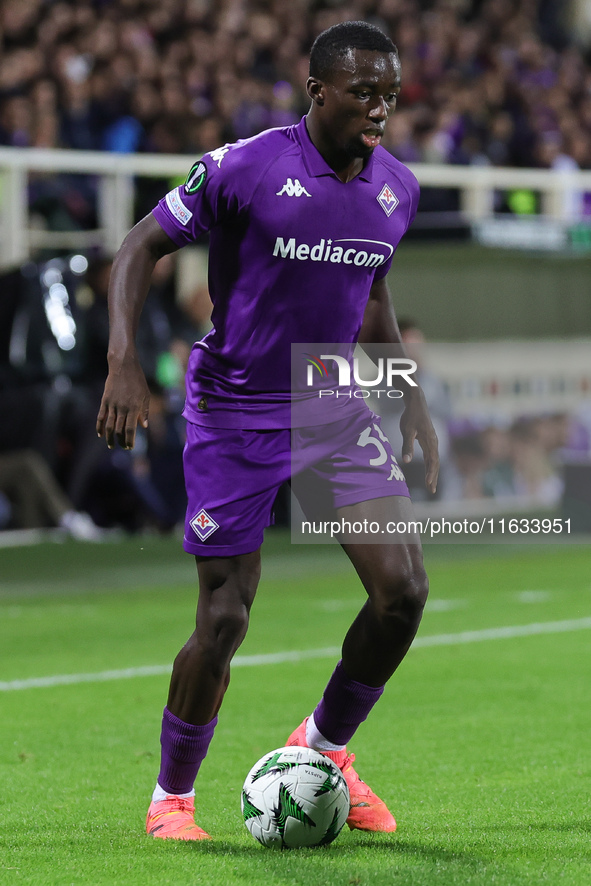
pixel 295 797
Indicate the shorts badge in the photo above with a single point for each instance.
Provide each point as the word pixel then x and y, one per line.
pixel 203 525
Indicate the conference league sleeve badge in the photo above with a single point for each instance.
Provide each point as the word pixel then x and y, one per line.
pixel 196 177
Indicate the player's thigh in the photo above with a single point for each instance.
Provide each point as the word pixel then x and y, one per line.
pixel 353 462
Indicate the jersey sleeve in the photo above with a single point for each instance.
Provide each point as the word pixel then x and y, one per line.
pixel 382 270
pixel 411 186
pixel 213 192
pixel 415 192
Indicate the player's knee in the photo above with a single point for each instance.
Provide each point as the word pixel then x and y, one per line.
pixel 402 594
pixel 230 623
pixel 220 635
pixel 419 590
pixel 225 598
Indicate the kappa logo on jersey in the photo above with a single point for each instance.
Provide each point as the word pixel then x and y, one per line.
pixel 177 207
pixel 372 253
pixel 293 189
pixel 196 177
pixel 387 199
pixel 218 155
pixel 203 525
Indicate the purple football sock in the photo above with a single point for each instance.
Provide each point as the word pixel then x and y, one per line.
pixel 344 705
pixel 183 750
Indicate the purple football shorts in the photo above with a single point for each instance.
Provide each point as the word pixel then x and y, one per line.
pixel 233 476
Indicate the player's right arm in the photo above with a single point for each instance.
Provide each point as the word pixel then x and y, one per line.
pixel 216 189
pixel 126 397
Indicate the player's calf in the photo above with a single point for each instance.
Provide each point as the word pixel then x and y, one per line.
pixel 384 629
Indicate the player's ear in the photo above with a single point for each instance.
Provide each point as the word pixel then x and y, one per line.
pixel 315 89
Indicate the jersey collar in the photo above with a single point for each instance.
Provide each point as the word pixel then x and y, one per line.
pixel 315 163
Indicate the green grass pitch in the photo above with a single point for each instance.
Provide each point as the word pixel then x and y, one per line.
pixel 481 748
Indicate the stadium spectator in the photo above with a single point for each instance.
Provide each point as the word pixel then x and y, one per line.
pixel 35 499
pixel 534 475
pixel 466 474
pixel 497 476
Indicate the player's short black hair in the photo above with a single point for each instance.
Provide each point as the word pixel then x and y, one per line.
pixel 333 44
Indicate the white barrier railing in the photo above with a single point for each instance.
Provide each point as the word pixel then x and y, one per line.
pixel 115 192
pixel 18 239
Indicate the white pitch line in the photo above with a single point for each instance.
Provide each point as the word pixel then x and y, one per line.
pixel 502 633
pixel 540 627
pixel 99 677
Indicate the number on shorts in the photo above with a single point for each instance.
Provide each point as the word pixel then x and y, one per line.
pixel 366 439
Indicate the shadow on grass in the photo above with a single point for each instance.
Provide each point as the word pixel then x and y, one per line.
pixel 381 847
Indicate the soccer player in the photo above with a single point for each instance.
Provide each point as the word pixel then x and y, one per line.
pixel 303 222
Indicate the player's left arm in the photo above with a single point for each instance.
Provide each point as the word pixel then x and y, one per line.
pixel 380 327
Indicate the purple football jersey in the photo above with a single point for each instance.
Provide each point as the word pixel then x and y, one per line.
pixel 293 254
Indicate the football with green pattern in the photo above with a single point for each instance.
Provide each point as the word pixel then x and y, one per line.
pixel 295 797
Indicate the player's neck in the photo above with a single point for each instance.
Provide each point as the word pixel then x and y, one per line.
pixel 345 167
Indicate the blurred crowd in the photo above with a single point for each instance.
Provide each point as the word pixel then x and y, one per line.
pixel 484 81
pixel 520 459
pixel 524 459
pixel 54 471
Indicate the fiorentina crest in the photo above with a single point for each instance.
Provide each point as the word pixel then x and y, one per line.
pixel 203 525
pixel 387 199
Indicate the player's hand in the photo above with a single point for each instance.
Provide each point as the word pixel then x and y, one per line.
pixel 416 424
pixel 126 401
